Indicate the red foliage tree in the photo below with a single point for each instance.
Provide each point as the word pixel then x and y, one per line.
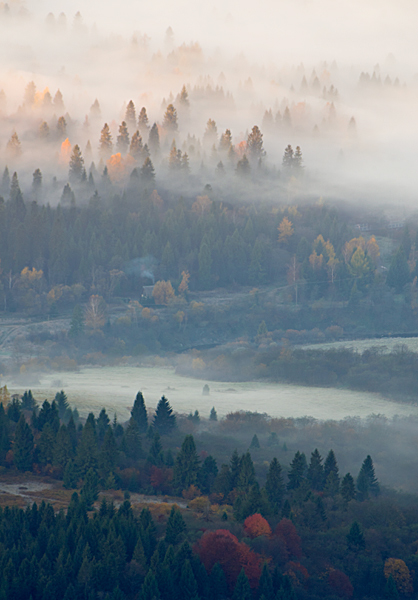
pixel 223 547
pixel 160 479
pixel 256 525
pixel 287 532
pixel 340 584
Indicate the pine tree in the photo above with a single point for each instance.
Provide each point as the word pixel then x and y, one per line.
pixel 108 454
pixel 207 475
pixel 71 475
pixel 398 274
pixel 176 527
pixel 136 147
pixel 315 474
pixel 186 466
pixel 23 445
pixel 391 591
pixel 87 450
pixel 187 585
pixel 218 585
pixel 148 172
pixel 213 415
pixel 265 585
pixel 122 141
pixel 61 128
pixel 139 413
pixel 164 419
pixel 143 124
pixel 130 115
pixel 14 147
pixel 225 143
pixel 63 449
pixel 287 161
pixel 154 140
pixel 330 464
pixel 105 143
pixel 243 167
pixel 62 404
pixel 355 537
pixel 77 322
pixel 131 441
pixel 90 491
pixel 255 145
pixel 255 444
pixel 156 454
pixel 76 165
pixel 348 488
pixel 275 486
pixel 149 589
pixel 246 477
pixel 367 482
pixel 37 184
pixel 242 590
pixel 297 471
pixel 170 124
pixel 18 208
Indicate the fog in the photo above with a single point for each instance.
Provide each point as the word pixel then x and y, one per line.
pixel 306 56
pixel 92 388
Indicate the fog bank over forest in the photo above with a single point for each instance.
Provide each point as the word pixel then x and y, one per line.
pixel 345 72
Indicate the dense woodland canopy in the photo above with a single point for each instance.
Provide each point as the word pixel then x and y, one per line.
pixel 304 530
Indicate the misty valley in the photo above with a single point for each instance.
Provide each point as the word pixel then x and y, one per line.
pixel 208 300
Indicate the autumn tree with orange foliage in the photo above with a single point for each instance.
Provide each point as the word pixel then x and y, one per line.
pixel 222 547
pixel 163 292
pixel 285 231
pixel 256 525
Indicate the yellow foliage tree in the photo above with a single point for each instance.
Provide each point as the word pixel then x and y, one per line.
pixel 285 230
pixel 401 575
pixel 202 205
pixel 184 283
pixel 359 265
pixel 118 167
pixel 163 292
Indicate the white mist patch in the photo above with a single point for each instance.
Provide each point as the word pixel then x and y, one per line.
pixel 115 388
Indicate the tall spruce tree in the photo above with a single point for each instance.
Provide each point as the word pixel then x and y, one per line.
pixel 164 419
pixel 186 466
pixel 23 445
pixel 275 486
pixel 139 413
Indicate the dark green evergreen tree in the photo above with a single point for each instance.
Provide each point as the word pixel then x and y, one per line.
pixel 246 477
pixel 399 274
pixel 391 591
pixel 176 527
pixel 71 475
pixel 367 483
pixel 255 444
pixel 297 471
pixel 348 488
pixel 77 322
pixel 355 538
pixel 213 415
pixel 218 585
pixel 315 474
pixel 23 446
pixel 62 404
pixel 275 486
pixel 164 419
pixel 87 449
pixel 63 449
pixel 108 454
pixel 139 413
pixel 207 475
pixel 90 490
pixel 242 590
pixel 186 466
pixel 330 465
pixel 131 442
pixel 265 585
